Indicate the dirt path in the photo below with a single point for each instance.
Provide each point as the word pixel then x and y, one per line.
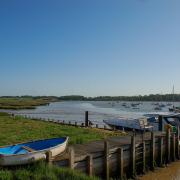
pixel 172 172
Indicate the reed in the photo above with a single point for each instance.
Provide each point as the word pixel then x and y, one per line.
pixel 40 171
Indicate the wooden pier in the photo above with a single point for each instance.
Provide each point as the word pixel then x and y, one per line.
pixel 122 157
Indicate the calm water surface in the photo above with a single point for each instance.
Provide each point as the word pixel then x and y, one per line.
pixel 98 110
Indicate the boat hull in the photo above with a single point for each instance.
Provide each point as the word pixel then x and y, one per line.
pixel 22 159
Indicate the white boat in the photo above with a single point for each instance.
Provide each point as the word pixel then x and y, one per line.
pixel 26 153
pixel 129 124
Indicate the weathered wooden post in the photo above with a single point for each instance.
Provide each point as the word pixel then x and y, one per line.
pixel 49 157
pixel 144 157
pixel 71 158
pixel 133 156
pixel 177 143
pixel 106 159
pixel 90 165
pixel 168 145
pixel 152 150
pixel 160 118
pixel 120 163
pixel 86 119
pixel 160 150
pixel 75 124
pixel 173 142
pixel 97 126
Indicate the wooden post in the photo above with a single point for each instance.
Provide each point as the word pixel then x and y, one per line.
pixel 86 119
pixel 177 143
pixel 133 156
pixel 69 122
pixel 168 145
pixel 90 165
pixel 97 126
pixel 144 157
pixel 120 163
pixel 49 157
pixel 152 150
pixel 160 150
pixel 173 147
pixel 160 123
pixel 106 163
pixel 105 127
pixel 71 158
pixel 75 123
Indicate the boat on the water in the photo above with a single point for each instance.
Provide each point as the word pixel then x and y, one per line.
pixel 129 124
pixel 26 153
pixel 157 108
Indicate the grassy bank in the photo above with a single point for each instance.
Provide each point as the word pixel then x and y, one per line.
pixel 42 171
pixel 24 102
pixel 19 129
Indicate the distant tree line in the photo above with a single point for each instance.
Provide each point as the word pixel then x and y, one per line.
pixel 151 97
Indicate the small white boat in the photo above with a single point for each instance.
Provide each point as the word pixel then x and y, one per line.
pixel 129 124
pixel 26 153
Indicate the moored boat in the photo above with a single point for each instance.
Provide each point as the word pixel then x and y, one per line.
pixel 129 124
pixel 25 153
pixel 158 108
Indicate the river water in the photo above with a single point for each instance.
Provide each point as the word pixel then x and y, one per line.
pixel 98 110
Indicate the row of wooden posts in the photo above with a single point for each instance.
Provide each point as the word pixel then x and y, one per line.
pixel 167 151
pixel 86 123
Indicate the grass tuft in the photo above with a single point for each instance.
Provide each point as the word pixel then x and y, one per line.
pixel 42 171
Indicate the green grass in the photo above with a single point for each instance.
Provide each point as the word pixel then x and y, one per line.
pixel 18 129
pixel 23 103
pixel 42 171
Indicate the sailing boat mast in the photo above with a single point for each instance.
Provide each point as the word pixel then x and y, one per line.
pixel 173 98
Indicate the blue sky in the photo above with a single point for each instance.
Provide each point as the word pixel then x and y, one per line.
pixel 89 47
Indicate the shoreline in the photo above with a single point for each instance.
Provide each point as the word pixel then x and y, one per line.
pixel 170 172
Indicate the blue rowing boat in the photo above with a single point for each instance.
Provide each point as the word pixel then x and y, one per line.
pixel 25 153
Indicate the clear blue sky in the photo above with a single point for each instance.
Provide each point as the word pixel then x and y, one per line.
pixel 89 47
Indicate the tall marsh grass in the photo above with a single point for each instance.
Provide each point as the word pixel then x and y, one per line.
pixel 42 171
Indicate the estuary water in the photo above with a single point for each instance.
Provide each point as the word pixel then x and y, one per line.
pixel 98 110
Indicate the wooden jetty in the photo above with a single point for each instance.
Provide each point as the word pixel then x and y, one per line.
pixel 122 157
